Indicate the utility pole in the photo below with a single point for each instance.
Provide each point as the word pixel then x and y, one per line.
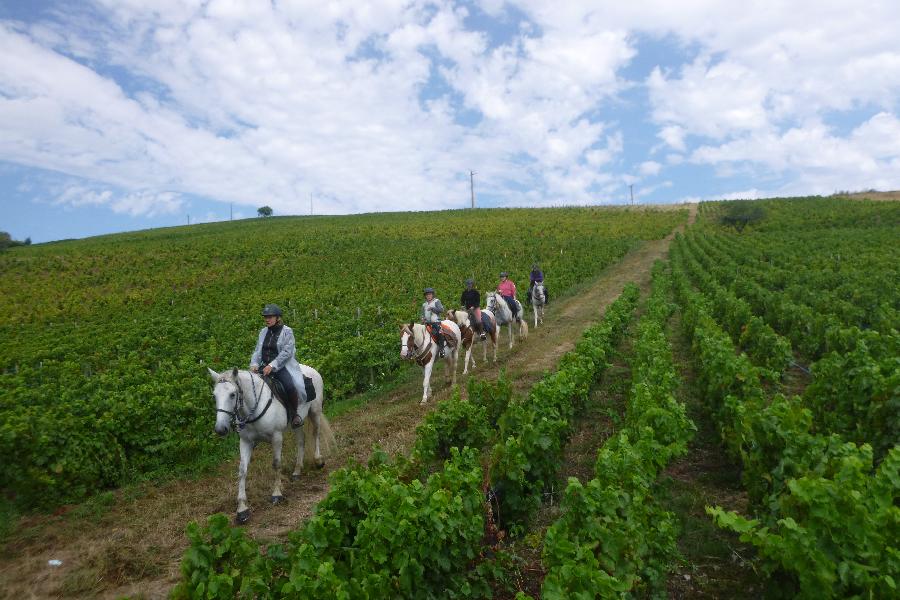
pixel 310 204
pixel 631 187
pixel 231 211
pixel 189 219
pixel 472 186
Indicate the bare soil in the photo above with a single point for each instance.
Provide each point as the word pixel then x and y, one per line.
pixel 131 543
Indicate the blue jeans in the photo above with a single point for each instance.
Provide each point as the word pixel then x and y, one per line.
pixel 512 305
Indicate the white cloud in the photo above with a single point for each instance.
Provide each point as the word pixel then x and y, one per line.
pixel 649 168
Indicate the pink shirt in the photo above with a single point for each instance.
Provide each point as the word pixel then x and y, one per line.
pixel 507 288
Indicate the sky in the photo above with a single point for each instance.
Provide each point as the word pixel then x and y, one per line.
pixel 119 115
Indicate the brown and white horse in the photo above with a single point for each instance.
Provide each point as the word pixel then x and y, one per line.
pixel 416 345
pixel 464 320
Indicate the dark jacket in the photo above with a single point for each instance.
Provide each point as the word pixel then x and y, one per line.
pixel 471 299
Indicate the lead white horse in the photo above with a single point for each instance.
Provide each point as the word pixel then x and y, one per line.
pixel 538 301
pixel 502 314
pixel 416 345
pixel 244 400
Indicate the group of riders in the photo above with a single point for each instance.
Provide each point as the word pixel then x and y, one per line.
pixel 432 308
pixel 275 353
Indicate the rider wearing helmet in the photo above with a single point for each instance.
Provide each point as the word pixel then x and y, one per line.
pixel 507 289
pixel 431 316
pixel 275 353
pixel 471 302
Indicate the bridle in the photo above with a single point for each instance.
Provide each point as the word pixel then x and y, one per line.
pixel 412 352
pixel 239 405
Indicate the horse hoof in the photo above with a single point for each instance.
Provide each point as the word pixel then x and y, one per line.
pixel 276 500
pixel 242 517
pixel 320 464
pixel 295 477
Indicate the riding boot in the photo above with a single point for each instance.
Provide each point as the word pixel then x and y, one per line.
pixel 440 343
pixel 297 421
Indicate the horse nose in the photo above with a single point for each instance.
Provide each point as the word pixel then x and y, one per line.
pixel 222 430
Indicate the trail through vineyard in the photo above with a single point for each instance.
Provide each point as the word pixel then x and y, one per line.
pixel 132 545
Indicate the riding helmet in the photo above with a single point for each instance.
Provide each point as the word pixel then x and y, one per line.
pixel 504 274
pixel 470 282
pixel 429 290
pixel 271 310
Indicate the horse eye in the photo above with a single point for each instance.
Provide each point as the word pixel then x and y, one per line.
pixel 231 394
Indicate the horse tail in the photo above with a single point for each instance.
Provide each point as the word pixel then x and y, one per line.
pixel 327 441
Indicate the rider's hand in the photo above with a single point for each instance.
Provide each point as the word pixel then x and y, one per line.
pixel 254 369
pixel 267 369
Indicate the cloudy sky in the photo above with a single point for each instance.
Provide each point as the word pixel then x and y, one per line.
pixel 126 114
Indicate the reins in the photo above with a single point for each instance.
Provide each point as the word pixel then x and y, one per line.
pixel 418 357
pixel 239 403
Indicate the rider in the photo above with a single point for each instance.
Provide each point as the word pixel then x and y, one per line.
pixel 471 301
pixel 275 349
pixel 537 276
pixel 507 289
pixel 431 316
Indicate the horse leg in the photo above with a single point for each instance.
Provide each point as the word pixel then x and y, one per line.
pixel 300 444
pixel 316 423
pixel 454 361
pixel 510 335
pixel 243 511
pixel 426 383
pixel 277 439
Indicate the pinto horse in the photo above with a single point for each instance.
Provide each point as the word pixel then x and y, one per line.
pixel 243 399
pixel 464 319
pixel 500 311
pixel 538 301
pixel 416 345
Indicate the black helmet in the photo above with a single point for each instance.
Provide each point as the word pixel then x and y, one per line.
pixel 271 310
pixel 429 290
pixel 504 274
pixel 470 282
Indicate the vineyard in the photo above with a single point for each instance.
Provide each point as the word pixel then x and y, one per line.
pixel 105 341
pixel 806 405
pixel 770 334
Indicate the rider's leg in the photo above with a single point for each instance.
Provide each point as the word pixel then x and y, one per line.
pixel 439 338
pixel 294 398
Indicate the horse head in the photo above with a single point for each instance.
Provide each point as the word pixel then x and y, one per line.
pixel 227 393
pixel 407 341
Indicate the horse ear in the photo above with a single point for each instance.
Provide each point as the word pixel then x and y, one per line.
pixel 234 373
pixel 213 374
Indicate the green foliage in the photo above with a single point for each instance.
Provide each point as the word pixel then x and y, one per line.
pixel 614 538
pixel 739 214
pixel 533 430
pixel 454 423
pixel 838 530
pixel 827 521
pixel 104 342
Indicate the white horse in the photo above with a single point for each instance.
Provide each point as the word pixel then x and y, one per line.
pixel 243 398
pixel 538 300
pixel 416 344
pixel 464 319
pixel 499 309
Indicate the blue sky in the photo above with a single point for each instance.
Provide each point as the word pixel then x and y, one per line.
pixel 125 114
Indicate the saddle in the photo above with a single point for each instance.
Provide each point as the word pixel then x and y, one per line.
pixel 448 334
pixel 278 389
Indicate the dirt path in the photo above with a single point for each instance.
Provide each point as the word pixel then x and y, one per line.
pixel 132 545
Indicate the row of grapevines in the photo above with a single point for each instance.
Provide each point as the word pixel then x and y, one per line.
pixel 751 333
pixel 613 537
pixel 826 518
pixel 854 390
